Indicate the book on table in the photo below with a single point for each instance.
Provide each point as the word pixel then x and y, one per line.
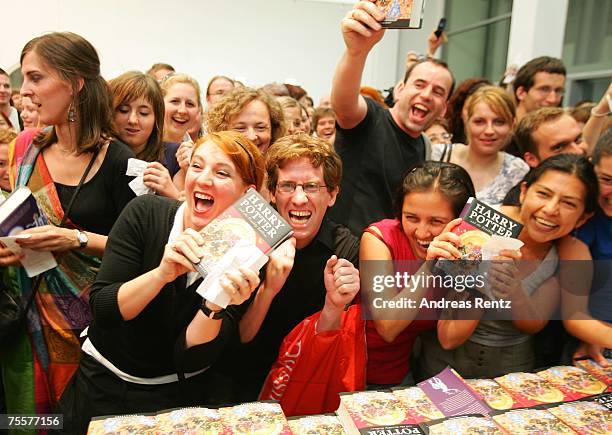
pixel 410 410
pixel 18 212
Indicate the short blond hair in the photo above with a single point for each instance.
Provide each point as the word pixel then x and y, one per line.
pixel 499 100
pixel 173 79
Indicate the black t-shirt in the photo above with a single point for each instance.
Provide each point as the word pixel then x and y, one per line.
pixel 302 295
pixel 103 197
pixel 375 155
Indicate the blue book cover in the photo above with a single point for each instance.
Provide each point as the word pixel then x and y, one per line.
pixel 20 211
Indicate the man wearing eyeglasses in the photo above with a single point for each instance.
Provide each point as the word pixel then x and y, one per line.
pixel 539 83
pixel 317 273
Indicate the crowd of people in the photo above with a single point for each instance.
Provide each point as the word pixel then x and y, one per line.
pixel 118 327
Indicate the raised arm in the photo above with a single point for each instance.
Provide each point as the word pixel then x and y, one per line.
pixel 361 30
pixel 600 114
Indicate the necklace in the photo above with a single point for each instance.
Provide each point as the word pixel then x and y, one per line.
pixel 63 150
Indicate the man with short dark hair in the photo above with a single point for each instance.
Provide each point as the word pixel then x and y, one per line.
pixel 547 132
pixel 378 145
pixel 539 83
pixel 542 134
pixel 5 101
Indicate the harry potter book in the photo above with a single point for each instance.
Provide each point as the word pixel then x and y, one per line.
pixel 316 424
pixel 418 406
pixel 604 374
pixel 19 212
pixel 492 393
pixel 465 425
pixel 374 412
pixel 255 418
pixel 451 395
pixel 532 421
pixel 529 389
pixel 189 421
pixel 574 382
pixel 479 224
pixel 483 233
pixel 243 235
pixel 585 417
pixel 401 14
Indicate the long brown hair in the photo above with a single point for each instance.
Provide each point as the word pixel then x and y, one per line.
pixel 132 85
pixel 74 58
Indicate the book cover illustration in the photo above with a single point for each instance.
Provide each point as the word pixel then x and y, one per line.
pixel 492 393
pixel 255 418
pixel 483 233
pixel 401 14
pixel 574 382
pixel 528 389
pixel 125 424
pixel 451 395
pixel 242 235
pixel 465 425
pixel 316 424
pixel 479 223
pixel 418 406
pixel 368 409
pixel 587 418
pixel 532 421
pixel 19 212
pixel 202 421
pixel 604 374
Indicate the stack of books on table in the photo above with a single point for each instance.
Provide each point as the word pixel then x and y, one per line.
pixel 559 400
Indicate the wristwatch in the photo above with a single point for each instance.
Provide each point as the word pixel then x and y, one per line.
pixel 215 315
pixel 82 238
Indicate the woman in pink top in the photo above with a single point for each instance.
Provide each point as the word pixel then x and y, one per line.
pixel 431 195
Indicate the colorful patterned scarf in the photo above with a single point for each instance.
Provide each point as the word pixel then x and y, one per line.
pixel 38 370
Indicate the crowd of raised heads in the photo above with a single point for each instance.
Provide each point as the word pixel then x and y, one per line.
pixel 359 176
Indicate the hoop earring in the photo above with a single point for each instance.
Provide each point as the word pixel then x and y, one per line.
pixel 71 113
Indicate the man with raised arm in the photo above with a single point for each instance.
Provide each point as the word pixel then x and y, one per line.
pixel 378 145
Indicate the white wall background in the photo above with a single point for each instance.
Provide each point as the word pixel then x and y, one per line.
pixel 259 41
pixel 537 29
